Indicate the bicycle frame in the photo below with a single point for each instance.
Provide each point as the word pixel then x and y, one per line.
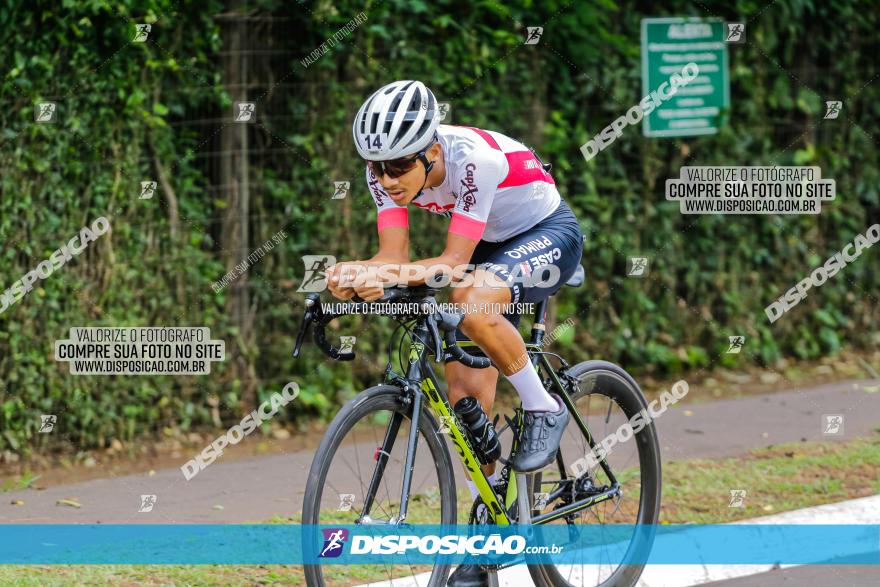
pixel 420 376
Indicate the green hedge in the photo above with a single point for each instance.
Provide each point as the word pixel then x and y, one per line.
pixel 120 102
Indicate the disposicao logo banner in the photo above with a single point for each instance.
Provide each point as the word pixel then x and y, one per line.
pixel 248 544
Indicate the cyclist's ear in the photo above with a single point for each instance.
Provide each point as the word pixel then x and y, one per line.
pixel 434 152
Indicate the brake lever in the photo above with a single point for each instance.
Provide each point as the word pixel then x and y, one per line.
pixel 311 303
pixel 435 334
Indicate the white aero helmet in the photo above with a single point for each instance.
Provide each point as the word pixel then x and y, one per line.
pixel 397 120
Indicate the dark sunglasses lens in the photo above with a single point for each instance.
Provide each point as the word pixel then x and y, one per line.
pixel 399 167
pixel 394 168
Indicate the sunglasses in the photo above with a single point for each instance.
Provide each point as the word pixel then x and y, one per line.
pixel 394 168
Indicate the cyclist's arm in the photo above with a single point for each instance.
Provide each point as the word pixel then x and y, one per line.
pixel 458 252
pixel 392 223
pixel 479 180
pixel 393 253
pixel 393 246
pixel 393 226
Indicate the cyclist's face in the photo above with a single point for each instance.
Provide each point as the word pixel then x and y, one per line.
pixel 404 188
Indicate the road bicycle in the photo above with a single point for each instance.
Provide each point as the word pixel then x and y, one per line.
pixel 361 475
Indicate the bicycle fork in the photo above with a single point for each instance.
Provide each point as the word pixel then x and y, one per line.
pixel 411 445
pixel 383 453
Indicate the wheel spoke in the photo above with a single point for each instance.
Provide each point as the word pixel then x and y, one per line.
pixel 604 409
pixel 341 472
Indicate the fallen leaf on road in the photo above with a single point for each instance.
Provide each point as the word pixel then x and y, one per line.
pixel 691 431
pixel 765 435
pixel 688 413
pixel 151 473
pixel 768 508
pixel 219 507
pixel 17 502
pixel 71 502
pixel 871 388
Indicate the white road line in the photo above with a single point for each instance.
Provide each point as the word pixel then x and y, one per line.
pixel 865 510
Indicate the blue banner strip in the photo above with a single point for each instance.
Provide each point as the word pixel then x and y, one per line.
pixel 253 544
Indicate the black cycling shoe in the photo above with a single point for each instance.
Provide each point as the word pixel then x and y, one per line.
pixel 469 576
pixel 541 434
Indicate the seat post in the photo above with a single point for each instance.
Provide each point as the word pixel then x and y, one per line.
pixel 538 328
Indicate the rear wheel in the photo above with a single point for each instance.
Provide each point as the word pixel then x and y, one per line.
pixel 606 397
pixel 343 469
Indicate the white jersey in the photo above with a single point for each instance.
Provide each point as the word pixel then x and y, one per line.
pixel 495 187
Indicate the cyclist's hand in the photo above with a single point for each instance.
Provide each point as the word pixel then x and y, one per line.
pixel 368 293
pixel 340 280
pixel 341 293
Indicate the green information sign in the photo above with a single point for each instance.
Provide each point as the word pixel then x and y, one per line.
pixel 697 108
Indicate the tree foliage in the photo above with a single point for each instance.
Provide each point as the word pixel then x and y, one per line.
pixel 128 109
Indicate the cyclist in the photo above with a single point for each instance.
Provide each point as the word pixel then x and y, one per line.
pixel 506 218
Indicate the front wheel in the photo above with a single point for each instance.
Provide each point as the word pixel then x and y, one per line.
pixel 606 397
pixel 338 490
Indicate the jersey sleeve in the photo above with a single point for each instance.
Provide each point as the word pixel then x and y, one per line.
pixel 388 214
pixel 475 187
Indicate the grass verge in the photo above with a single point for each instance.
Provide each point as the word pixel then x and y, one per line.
pixel 777 479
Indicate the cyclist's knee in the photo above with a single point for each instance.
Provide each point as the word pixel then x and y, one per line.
pixel 480 292
pixel 483 391
pixel 481 309
pixel 460 295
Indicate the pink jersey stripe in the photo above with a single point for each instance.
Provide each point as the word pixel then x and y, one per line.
pixel 466 227
pixel 486 137
pixel 519 172
pixel 391 217
pixel 524 168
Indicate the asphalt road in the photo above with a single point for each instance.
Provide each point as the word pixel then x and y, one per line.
pixel 258 488
pixel 809 576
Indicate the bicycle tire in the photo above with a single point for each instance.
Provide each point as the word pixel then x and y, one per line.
pixel 378 398
pixel 620 386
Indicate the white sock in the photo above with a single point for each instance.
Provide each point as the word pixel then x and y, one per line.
pixel 473 486
pixel 531 391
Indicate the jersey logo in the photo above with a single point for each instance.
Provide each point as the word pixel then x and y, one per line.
pixel 376 190
pixel 434 207
pixel 469 188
